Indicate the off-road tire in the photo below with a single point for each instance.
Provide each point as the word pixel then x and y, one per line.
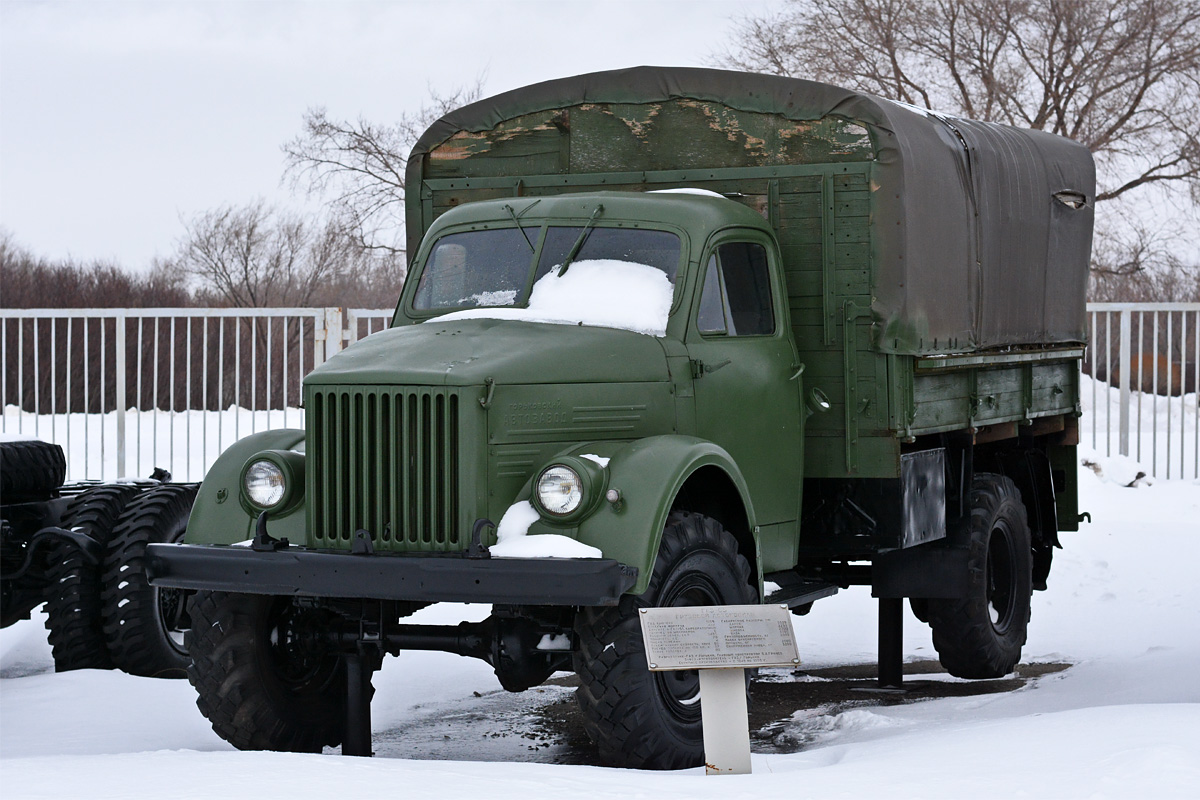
pixel 981 635
pixel 143 625
pixel 651 720
pixel 74 600
pixel 257 684
pixel 30 470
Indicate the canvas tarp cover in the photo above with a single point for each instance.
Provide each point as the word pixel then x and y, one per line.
pixel 971 246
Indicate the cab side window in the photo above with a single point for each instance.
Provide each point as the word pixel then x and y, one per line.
pixel 736 299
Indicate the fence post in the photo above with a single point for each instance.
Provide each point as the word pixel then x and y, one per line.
pixel 121 375
pixel 1126 380
pixel 334 331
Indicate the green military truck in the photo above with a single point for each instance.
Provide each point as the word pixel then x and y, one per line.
pixel 845 350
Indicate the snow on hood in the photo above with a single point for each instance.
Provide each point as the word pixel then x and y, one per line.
pixel 601 292
pixel 689 190
pixel 513 539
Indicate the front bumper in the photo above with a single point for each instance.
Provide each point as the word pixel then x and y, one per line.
pixel 430 578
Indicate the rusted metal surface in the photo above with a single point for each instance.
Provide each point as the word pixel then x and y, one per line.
pixel 617 132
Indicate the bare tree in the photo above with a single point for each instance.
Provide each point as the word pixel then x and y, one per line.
pixel 358 166
pixel 31 281
pixel 256 256
pixel 1120 76
pixel 1136 264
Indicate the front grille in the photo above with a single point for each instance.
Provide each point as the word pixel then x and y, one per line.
pixel 383 459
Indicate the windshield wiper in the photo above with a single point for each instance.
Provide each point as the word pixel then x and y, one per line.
pixel 583 234
pixel 516 218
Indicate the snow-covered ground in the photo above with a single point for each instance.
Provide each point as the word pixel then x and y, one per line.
pixel 1123 608
pixel 1164 432
pixel 186 443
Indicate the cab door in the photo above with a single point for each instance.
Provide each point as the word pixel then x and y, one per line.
pixel 744 366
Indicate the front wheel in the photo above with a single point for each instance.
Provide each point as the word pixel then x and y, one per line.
pixel 651 720
pixel 981 635
pixel 265 675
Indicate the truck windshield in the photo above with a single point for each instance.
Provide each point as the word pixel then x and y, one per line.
pixel 492 268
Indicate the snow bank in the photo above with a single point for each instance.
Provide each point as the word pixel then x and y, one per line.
pixel 600 292
pixel 513 541
pixel 1164 432
pixel 185 443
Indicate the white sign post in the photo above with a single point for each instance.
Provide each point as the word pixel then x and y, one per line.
pixel 721 642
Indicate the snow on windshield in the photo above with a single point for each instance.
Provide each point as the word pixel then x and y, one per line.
pixel 504 297
pixel 602 292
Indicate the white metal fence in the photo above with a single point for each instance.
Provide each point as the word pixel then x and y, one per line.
pixel 128 390
pixel 1143 360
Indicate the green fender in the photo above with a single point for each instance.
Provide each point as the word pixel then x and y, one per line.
pixel 218 516
pixel 649 474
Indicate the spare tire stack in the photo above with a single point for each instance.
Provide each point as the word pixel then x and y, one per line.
pixel 101 613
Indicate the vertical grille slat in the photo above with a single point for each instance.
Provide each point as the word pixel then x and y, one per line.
pixel 411 535
pixel 341 440
pixel 355 445
pixel 386 460
pixel 435 483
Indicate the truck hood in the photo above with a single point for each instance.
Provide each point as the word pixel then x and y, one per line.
pixel 465 352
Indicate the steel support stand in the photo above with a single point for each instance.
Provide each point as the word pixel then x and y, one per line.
pixel 357 739
pixel 891 650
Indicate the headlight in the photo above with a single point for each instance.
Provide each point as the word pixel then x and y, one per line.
pixel 264 483
pixel 559 490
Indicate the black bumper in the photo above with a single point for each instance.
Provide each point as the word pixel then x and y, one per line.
pixel 432 578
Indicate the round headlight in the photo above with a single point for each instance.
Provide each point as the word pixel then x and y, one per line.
pixel 265 484
pixel 560 490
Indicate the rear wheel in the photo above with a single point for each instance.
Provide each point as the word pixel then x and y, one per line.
pixel 643 719
pixel 265 674
pixel 73 601
pixel 981 635
pixel 145 626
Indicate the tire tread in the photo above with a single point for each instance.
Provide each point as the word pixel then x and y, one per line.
pixel 616 693
pixel 962 630
pixel 74 603
pixel 131 626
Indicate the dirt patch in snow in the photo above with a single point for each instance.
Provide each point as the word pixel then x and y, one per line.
pixel 545 725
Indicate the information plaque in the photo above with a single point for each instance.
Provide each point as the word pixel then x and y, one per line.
pixel 719 637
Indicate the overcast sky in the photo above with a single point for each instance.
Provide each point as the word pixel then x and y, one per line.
pixel 119 118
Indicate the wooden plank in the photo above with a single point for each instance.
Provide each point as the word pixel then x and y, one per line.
pixel 807 255
pixel 800 206
pixel 807 283
pixel 851 229
pixel 800 184
pixel 827 365
pixel 998 381
pixel 806 229
pixel 850 180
